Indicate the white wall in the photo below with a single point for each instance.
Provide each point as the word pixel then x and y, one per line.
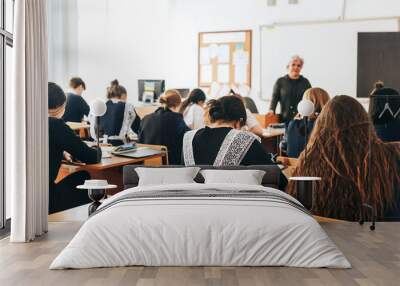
pixel 191 17
pixel 121 39
pixel 63 40
pixel 329 50
pixel 132 39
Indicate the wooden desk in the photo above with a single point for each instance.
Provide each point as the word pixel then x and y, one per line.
pixel 82 128
pixel 111 168
pixel 143 110
pixel 271 138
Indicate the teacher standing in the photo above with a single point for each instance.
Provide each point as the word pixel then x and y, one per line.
pixel 289 90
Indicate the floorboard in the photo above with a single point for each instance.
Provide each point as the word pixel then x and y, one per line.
pixel 375 257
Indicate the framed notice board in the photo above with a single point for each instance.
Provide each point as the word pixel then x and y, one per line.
pixel 224 60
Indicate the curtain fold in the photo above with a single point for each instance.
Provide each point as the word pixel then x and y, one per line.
pixel 29 153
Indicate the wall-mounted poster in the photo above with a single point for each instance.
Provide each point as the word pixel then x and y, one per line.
pixel 224 60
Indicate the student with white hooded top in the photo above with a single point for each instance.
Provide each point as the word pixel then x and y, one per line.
pixel 192 109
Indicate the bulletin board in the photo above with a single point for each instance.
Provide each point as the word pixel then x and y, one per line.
pixel 224 60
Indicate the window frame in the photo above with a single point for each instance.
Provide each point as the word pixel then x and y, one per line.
pixel 6 39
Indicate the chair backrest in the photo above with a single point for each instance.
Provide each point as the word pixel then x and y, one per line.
pixel 249 104
pixel 289 163
pixel 272 177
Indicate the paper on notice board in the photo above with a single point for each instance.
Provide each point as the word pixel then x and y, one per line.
pixel 240 57
pixel 205 56
pixel 206 73
pixel 241 73
pixel 214 88
pixel 206 90
pixel 224 90
pixel 213 51
pixel 239 46
pixel 223 73
pixel 223 54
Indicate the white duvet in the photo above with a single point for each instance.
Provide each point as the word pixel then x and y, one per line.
pixel 200 231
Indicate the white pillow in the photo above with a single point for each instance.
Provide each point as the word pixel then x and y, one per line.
pixel 166 176
pixel 248 177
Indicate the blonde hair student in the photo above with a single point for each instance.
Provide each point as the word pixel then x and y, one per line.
pixel 165 126
pixel 319 97
pixel 171 99
pixel 295 136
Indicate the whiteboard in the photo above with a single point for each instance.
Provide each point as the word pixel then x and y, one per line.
pixel 329 51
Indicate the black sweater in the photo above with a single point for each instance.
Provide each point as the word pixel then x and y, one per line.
pixel 207 142
pixel 75 108
pixel 62 138
pixel 289 93
pixel 111 122
pixel 164 127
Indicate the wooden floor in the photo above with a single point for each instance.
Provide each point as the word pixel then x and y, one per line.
pixel 375 257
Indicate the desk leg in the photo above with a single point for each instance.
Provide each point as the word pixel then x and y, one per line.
pixel 270 144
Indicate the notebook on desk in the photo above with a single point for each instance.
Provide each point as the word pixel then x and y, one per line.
pixel 139 153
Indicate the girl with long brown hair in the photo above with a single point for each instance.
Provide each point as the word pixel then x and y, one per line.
pixel 356 167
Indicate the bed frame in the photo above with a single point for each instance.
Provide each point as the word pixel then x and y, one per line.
pixel 273 177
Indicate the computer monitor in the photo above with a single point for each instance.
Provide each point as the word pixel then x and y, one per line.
pixel 150 89
pixel 184 92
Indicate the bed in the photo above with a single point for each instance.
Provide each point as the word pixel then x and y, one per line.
pixel 197 224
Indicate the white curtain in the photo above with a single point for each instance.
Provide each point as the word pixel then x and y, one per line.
pixel 29 153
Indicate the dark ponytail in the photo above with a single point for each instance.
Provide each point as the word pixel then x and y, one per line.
pixel 228 108
pixel 115 90
pixel 195 96
pixel 379 84
pixel 76 82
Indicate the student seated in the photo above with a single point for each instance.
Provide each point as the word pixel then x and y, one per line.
pixel 120 120
pixel 165 126
pixel 384 110
pixel 76 106
pixel 294 140
pixel 223 143
pixel 64 143
pixel 252 123
pixel 356 167
pixel 192 109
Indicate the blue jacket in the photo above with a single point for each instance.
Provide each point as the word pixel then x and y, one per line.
pixel 388 132
pixel 295 136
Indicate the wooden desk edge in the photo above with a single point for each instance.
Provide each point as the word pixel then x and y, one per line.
pixel 98 167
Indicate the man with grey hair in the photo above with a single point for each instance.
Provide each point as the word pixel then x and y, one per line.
pixel 289 89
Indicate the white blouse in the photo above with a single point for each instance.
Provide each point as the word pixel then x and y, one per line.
pixel 251 120
pixel 194 116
